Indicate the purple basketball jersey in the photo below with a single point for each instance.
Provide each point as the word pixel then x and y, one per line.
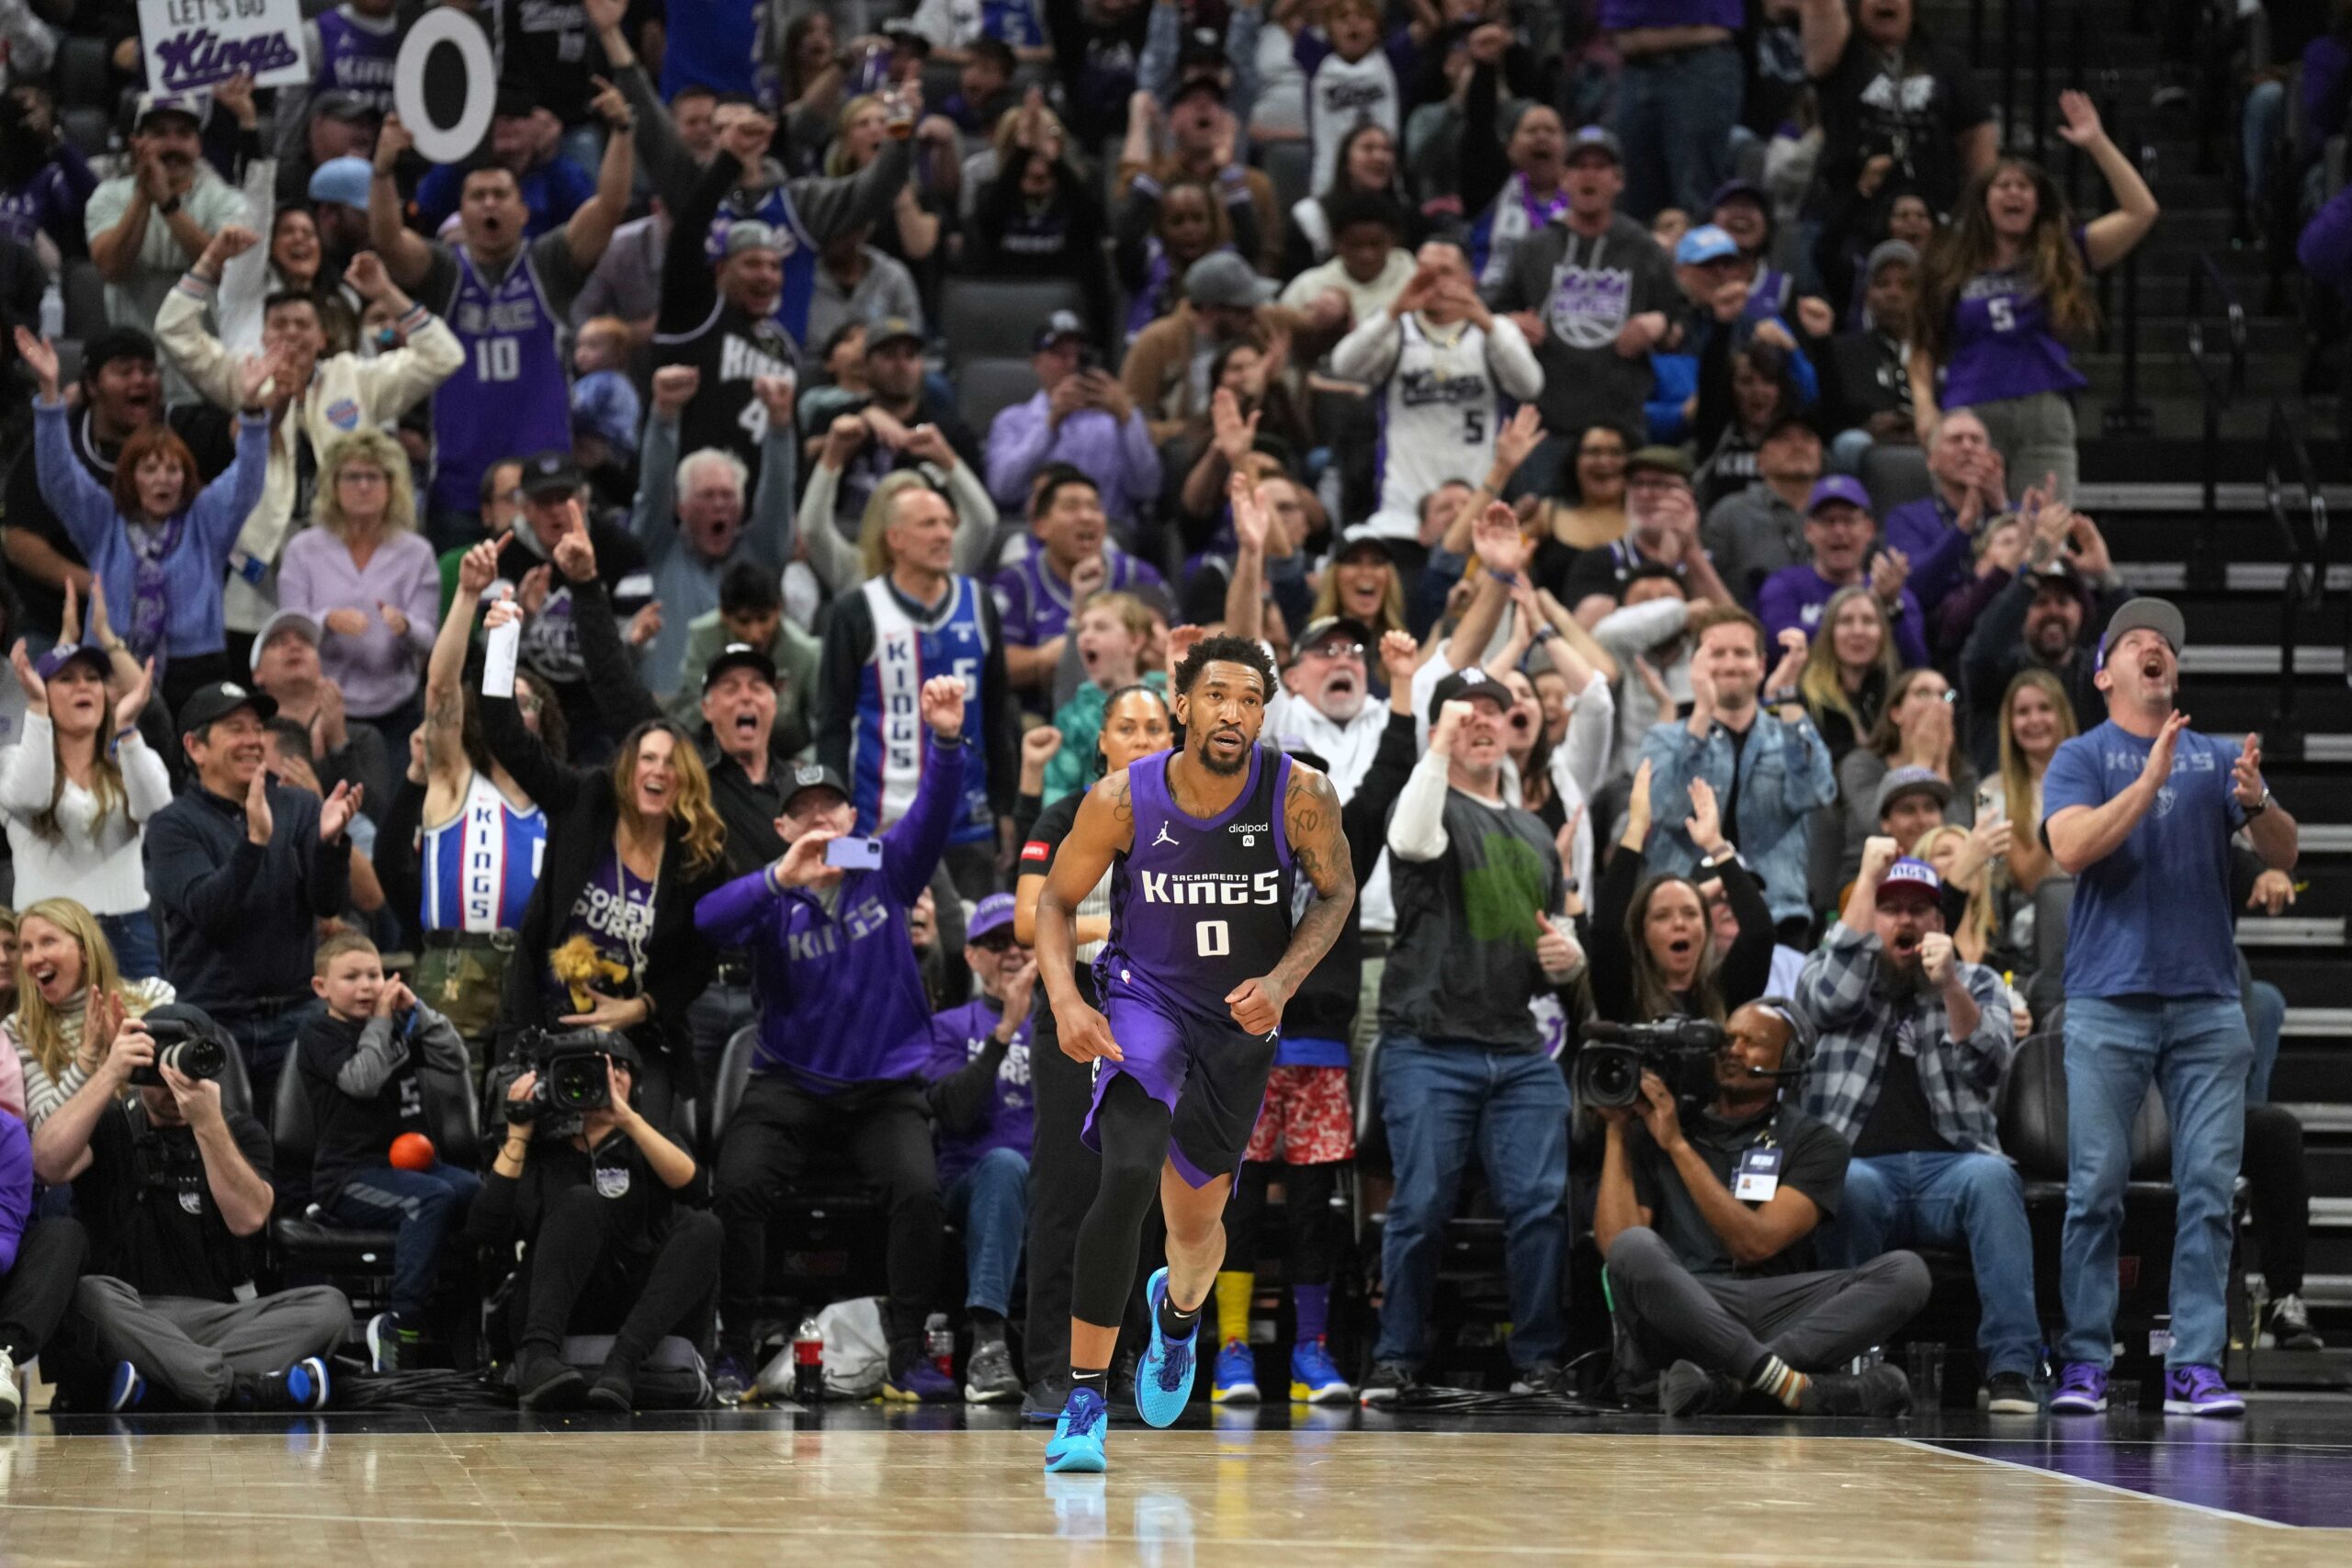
pixel 2001 343
pixel 510 397
pixel 1199 906
pixel 357 59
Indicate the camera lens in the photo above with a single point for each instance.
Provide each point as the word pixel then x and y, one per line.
pixel 196 1058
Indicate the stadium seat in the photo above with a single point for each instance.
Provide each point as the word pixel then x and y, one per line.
pixel 82 73
pixel 1289 164
pixel 984 387
pixel 1895 475
pixel 85 298
pixel 85 128
pixel 993 318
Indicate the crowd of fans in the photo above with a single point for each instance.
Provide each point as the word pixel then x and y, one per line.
pixel 454 606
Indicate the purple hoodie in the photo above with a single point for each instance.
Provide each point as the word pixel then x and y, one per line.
pixel 16 1188
pixel 840 996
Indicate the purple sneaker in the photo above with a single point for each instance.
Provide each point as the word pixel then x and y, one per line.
pixel 922 1382
pixel 2199 1391
pixel 2082 1390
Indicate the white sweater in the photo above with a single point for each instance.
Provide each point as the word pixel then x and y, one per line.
pixel 95 863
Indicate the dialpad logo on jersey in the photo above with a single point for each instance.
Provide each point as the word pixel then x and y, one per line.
pixel 1212 888
pixel 1249 831
pixel 1426 387
pixel 1590 304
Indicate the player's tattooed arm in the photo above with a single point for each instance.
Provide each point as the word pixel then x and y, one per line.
pixel 1105 828
pixel 1311 810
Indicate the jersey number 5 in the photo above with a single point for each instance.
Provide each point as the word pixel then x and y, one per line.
pixel 2004 318
pixel 1215 939
pixel 1474 426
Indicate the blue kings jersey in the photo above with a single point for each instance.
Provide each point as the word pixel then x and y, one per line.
pixel 886 749
pixel 1199 906
pixel 510 395
pixel 357 58
pixel 799 255
pixel 481 866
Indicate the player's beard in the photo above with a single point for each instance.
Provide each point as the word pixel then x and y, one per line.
pixel 1208 759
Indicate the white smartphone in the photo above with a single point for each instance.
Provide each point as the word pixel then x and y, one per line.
pixel 855 853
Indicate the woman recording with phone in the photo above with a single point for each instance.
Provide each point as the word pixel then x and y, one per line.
pixel 1647 944
pixel 618 1241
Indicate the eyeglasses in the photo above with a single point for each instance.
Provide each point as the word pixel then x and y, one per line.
pixel 362 477
pixel 1336 650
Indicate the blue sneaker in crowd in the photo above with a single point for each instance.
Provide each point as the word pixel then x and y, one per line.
pixel 1314 1379
pixel 2199 1391
pixel 1077 1443
pixel 125 1389
pixel 2082 1390
pixel 1234 1381
pixel 1164 1378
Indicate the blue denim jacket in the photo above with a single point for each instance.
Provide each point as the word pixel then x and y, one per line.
pixel 1784 775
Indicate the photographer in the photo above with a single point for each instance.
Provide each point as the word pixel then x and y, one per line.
pixel 171 1186
pixel 1479 885
pixel 614 1242
pixel 845 1035
pixel 362 1061
pixel 1697 1273
pixel 1913 1047
pixel 1649 938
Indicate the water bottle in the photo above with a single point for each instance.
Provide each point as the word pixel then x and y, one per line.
pixel 53 313
pixel 939 1344
pixel 809 1362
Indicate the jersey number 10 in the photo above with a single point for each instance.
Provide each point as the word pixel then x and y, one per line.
pixel 497 360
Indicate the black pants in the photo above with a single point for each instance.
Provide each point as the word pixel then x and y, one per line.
pixel 578 1281
pixel 887 1132
pixel 1064 1174
pixel 2280 1192
pixel 1307 1213
pixel 40 1285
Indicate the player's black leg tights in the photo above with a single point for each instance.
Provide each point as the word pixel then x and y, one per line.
pixel 1306 1206
pixel 1134 1128
pixel 1243 1212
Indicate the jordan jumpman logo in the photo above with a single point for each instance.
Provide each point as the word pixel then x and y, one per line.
pixel 1163 838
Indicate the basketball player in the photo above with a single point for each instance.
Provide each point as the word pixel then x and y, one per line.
pixel 482 838
pixel 1207 842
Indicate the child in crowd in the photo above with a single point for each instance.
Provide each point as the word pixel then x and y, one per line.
pixel 362 1061
pixel 604 400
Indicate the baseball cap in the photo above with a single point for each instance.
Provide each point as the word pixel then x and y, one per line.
pixel 750 235
pixel 1887 251
pixel 740 656
pixel 990 916
pixel 1321 631
pixel 891 329
pixel 198 106
pixel 343 104
pixel 1736 190
pixel 1658 460
pixel 1222 278
pixel 1198 82
pixel 544 473
pixel 1910 879
pixel 903 34
pixel 1900 782
pixel 2161 616
pixel 211 704
pixel 1362 536
pixel 1061 325
pixel 1835 489
pixel 343 180
pixel 65 653
pixel 1595 139
pixel 812 775
pixel 284 621
pixel 1466 685
pixel 1703 244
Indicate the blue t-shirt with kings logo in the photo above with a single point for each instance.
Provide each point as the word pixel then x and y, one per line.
pixel 2154 917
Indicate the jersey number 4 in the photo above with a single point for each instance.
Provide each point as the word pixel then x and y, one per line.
pixel 1215 939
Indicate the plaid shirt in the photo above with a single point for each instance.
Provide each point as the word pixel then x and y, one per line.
pixel 1858 1021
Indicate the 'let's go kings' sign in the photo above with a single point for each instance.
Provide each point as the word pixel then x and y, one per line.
pixel 193 44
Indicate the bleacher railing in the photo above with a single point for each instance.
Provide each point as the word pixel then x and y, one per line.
pixel 2221 374
pixel 2297 510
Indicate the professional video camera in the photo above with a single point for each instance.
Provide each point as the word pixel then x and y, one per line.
pixel 1680 1051
pixel 571 1070
pixel 184 1048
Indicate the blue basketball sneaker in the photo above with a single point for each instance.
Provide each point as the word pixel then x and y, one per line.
pixel 1077 1437
pixel 1315 1379
pixel 1234 1381
pixel 1164 1378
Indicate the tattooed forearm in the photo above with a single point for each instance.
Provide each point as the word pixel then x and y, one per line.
pixel 1311 812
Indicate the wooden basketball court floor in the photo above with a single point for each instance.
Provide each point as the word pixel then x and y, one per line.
pixel 865 1485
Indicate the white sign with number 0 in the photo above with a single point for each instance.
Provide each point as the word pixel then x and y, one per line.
pixel 437 142
pixel 194 44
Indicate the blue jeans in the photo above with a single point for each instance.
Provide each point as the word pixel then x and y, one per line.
pixel 2262 127
pixel 992 1202
pixel 423 1206
pixel 1440 1100
pixel 132 937
pixel 2266 1019
pixel 1946 1199
pixel 266 1042
pixel 2197 1051
pixel 1675 114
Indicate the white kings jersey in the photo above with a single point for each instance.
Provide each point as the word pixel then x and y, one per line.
pixel 1341 96
pixel 1439 410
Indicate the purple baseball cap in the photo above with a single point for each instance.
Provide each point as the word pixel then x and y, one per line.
pixel 990 915
pixel 1837 488
pixel 1909 878
pixel 65 653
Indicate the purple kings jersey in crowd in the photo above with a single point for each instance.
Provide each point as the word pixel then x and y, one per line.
pixel 2001 343
pixel 1034 602
pixel 1199 906
pixel 356 58
pixel 957 1036
pixel 510 395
